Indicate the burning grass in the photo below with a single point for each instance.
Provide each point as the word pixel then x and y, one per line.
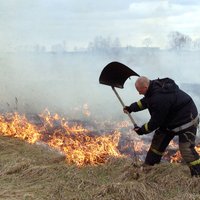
pixel 37 168
pixel 80 145
pixel 35 172
pixel 74 141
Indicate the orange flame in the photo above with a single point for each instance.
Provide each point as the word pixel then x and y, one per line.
pixel 74 141
pixel 17 126
pixel 77 143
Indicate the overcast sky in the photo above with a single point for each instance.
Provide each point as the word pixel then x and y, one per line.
pixel 77 22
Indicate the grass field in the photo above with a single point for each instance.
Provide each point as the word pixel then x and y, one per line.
pixel 35 172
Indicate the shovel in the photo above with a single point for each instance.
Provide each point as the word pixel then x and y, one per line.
pixel 115 74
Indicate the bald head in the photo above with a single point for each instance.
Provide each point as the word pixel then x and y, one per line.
pixel 142 84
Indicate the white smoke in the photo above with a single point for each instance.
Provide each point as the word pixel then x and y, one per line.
pixel 64 82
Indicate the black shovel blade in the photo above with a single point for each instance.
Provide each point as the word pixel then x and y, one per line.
pixel 115 74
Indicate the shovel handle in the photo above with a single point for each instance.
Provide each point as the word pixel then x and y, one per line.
pixel 131 118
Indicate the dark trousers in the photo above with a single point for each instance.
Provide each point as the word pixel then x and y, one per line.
pixel 161 140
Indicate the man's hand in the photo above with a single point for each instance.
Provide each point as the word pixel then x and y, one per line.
pixel 127 109
pixel 138 130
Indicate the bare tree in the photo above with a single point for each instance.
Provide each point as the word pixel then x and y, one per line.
pixel 196 44
pixel 100 44
pixel 104 44
pixel 179 41
pixel 147 42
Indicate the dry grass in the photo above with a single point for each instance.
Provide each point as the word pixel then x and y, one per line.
pixel 31 172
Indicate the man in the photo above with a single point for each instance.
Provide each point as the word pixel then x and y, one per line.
pixel 172 112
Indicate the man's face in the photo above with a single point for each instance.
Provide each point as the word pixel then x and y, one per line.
pixel 141 90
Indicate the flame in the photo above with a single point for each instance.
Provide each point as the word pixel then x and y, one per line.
pixel 16 125
pixel 86 149
pixel 176 157
pixel 74 141
pixel 80 145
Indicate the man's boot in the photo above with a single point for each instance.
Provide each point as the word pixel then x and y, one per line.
pixel 195 169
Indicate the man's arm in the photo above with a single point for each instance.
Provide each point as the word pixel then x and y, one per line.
pixel 136 106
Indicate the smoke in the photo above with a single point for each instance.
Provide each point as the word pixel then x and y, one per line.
pixel 66 82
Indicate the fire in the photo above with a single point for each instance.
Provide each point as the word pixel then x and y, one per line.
pixel 80 145
pixel 86 149
pixel 75 141
pixel 16 125
pixel 178 158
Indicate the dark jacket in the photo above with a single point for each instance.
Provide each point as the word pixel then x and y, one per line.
pixel 168 106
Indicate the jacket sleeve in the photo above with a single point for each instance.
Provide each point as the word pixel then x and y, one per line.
pixel 159 111
pixel 138 106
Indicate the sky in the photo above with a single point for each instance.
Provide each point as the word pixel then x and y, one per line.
pixel 78 22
